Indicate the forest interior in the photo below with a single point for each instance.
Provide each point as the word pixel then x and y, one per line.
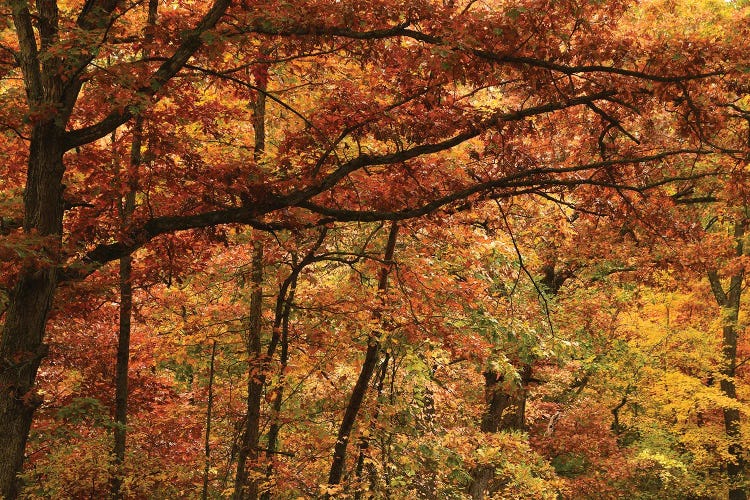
pixel 436 249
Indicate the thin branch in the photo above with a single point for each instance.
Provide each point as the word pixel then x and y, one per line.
pixel 522 264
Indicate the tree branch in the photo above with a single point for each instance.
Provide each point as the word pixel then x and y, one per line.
pixel 191 42
pixel 362 161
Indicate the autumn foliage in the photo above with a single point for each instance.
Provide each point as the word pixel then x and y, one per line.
pixel 431 249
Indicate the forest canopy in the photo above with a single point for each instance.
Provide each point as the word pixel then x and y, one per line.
pixel 343 249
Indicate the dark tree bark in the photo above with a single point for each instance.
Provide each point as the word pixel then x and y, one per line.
pixel 505 410
pixel 275 429
pixel 365 374
pixel 126 307
pixel 364 442
pixel 730 304
pixel 127 208
pixel 21 338
pixel 21 345
pixel 246 487
pixel 209 409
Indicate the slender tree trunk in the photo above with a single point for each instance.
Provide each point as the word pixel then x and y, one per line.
pixel 209 408
pixel 368 368
pixel 273 432
pixel 126 308
pixel 246 487
pixel 284 302
pixel 364 442
pixel 730 304
pixel 126 296
pixel 352 409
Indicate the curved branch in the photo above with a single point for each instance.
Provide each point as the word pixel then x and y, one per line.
pixel 524 179
pixel 299 197
pixel 402 30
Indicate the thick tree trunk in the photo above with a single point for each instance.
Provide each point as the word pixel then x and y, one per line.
pixel 730 304
pixel 365 374
pixel 21 352
pixel 21 340
pixel 48 92
pixel 505 410
pixel 21 345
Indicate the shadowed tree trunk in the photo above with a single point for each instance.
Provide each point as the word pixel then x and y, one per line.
pixel 47 88
pixel 273 433
pixel 123 337
pixel 730 304
pixel 209 409
pixel 126 299
pixel 246 487
pixel 280 335
pixel 505 410
pixel 365 374
pixel 21 345
pixel 364 442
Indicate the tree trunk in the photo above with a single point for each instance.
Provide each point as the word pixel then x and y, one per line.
pixel 256 376
pixel 47 91
pixel 505 410
pixel 730 303
pixel 368 368
pixel 244 487
pixel 21 345
pixel 121 376
pixel 21 339
pixel 273 433
pixel 364 442
pixel 209 408
pixel 126 308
